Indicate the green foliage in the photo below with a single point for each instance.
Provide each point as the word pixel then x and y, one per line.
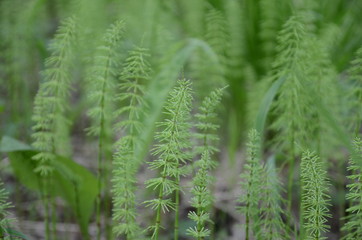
pixel 315 198
pixel 101 80
pixel 51 100
pixel 172 151
pixel 135 74
pixel 353 228
pixel 251 184
pixel 290 106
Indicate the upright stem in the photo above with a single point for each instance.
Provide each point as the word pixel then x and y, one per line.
pixel 158 214
pixel 54 217
pixel 199 224
pixel 291 179
pixel 247 220
pixel 46 208
pixel 177 209
pixel 99 188
pixel 107 199
pixel 100 156
pixel 248 203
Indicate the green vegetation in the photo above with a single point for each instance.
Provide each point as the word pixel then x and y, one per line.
pixel 134 119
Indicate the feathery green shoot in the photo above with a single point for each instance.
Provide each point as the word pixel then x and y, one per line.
pixel 271 222
pixel 50 108
pixel 291 105
pixel 51 99
pixel 172 151
pixel 100 95
pixel 202 198
pixel 206 124
pixel 315 198
pixel 251 184
pixel 353 226
pixel 355 76
pixel 135 73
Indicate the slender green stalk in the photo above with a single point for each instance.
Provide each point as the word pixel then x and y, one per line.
pixel 177 210
pixel 291 180
pixel 99 181
pixel 45 199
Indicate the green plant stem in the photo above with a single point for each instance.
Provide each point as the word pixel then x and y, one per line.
pixel 100 158
pixel 318 213
pixel 177 209
pixel 99 187
pixel 54 217
pixel 342 191
pixel 291 179
pixel 45 198
pixel 247 220
pixel 107 199
pixel 301 216
pixel 158 213
pixel 199 225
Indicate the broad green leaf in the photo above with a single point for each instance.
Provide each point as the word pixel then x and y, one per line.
pixel 68 178
pixel 9 144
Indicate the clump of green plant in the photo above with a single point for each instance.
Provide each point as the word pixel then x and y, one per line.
pixel 172 150
pixel 352 227
pixel 315 197
pixel 136 73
